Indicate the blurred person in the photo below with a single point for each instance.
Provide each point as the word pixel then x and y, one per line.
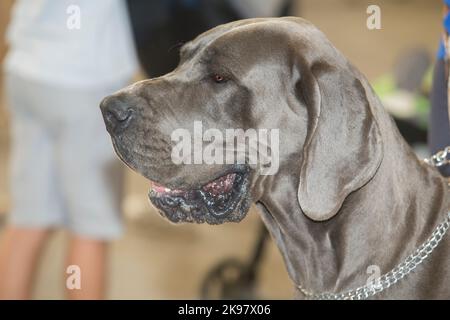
pixel 439 132
pixel 64 57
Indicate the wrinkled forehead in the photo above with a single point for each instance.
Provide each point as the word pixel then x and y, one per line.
pixel 254 37
pixel 206 38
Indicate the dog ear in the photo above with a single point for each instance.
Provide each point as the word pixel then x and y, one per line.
pixel 343 146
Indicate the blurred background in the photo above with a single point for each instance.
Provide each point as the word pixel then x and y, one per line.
pixel 159 260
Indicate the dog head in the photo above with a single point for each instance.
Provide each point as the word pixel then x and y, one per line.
pixel 279 80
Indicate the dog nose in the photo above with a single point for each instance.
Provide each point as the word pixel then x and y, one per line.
pixel 116 113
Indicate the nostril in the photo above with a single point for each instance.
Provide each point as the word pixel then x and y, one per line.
pixel 119 115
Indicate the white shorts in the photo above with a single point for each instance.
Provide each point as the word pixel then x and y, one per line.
pixel 64 172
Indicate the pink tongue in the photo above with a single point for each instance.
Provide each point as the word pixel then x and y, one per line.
pixel 158 188
pixel 161 189
pixel 216 187
pixel 221 185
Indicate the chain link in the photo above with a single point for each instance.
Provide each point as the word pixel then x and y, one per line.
pixel 439 159
pixel 403 269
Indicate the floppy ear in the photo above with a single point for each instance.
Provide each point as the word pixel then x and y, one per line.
pixel 343 146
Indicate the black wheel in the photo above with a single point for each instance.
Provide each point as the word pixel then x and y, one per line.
pixel 230 279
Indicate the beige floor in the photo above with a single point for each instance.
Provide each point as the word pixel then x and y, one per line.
pixel 157 260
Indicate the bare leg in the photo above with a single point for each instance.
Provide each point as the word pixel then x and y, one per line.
pixel 19 251
pixel 90 256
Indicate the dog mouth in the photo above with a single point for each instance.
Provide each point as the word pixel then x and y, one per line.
pixel 223 199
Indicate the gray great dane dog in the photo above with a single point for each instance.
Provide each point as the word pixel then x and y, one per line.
pixel 349 192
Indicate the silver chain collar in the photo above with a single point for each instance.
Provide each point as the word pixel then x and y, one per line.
pixel 403 269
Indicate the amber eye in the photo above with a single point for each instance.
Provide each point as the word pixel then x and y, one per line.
pixel 218 78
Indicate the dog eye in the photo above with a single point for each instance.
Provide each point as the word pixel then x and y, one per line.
pixel 218 78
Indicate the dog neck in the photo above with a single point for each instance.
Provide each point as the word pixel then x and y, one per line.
pixel 377 227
